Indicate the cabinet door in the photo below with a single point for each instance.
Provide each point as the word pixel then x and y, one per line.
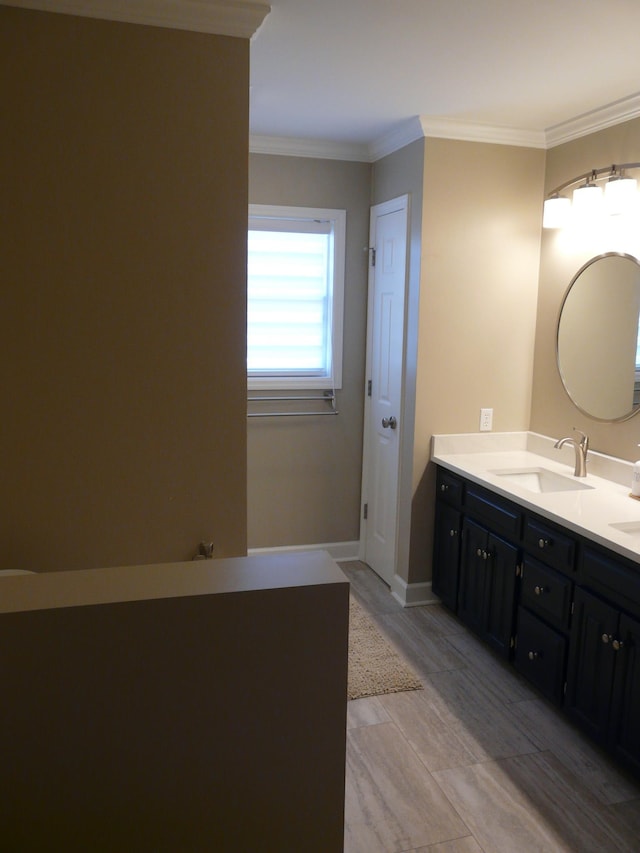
pixel 473 569
pixel 499 601
pixel 446 554
pixel 546 593
pixel 625 709
pixel 540 655
pixel 591 664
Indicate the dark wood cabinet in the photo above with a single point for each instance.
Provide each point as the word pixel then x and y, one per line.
pixel 625 725
pixel 472 575
pixel 565 609
pixel 542 626
pixel 447 536
pixel 603 684
pixel 540 655
pixel 486 595
pixel 546 592
pixel 591 663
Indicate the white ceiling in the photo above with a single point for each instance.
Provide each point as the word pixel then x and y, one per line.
pixel 353 71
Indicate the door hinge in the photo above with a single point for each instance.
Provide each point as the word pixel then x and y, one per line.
pixel 365 511
pixel 372 253
pixel 369 388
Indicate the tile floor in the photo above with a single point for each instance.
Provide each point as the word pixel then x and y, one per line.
pixel 477 762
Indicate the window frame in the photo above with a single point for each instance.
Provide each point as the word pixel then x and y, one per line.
pixel 281 213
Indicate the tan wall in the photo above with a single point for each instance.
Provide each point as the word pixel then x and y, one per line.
pixel 552 411
pixel 124 191
pixel 304 474
pixel 479 266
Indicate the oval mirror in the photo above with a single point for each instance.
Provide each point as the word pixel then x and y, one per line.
pixel 597 338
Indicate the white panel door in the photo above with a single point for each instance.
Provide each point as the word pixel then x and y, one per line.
pixel 387 276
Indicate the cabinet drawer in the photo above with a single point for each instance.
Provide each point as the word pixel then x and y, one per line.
pixel 541 655
pixel 546 592
pixel 549 544
pixel 498 513
pixel 449 487
pixel 616 579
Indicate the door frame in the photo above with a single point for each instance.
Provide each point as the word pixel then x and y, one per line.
pixel 399 584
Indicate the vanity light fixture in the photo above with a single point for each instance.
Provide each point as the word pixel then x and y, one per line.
pixel 620 196
pixel 557 210
pixel 587 199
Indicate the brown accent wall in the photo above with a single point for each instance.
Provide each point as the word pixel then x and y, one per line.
pixel 193 707
pixel 123 167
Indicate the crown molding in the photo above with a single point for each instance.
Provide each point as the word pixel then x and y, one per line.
pixel 421 127
pixel 238 18
pixel 615 113
pixel 398 137
pixel 296 147
pixel 446 128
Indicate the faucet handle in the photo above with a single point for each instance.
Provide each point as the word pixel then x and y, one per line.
pixel 584 439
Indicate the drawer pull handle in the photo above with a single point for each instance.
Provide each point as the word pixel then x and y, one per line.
pixel 533 655
pixel 606 638
pixel 617 645
pixel 539 590
pixel 543 543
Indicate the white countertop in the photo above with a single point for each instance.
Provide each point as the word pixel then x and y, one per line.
pixel 589 512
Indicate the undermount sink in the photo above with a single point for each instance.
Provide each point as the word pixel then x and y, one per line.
pixel 541 480
pixel 630 527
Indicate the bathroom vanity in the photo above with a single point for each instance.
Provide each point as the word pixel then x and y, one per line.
pixel 545 567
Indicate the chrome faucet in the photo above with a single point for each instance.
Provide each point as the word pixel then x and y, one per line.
pixel 581 447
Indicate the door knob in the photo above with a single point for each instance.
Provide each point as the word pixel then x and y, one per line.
pixel 389 423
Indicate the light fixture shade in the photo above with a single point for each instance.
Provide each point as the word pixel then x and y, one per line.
pixel 587 201
pixel 620 195
pixel 556 213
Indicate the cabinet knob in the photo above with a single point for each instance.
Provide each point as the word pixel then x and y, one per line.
pixel 538 590
pixel 453 533
pixel 444 487
pixel 479 552
pixel 606 638
pixel 543 543
pixel 617 645
pixel 533 655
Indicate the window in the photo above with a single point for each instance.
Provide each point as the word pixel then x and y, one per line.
pixel 295 285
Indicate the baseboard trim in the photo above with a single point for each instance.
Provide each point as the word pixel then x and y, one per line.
pixel 412 594
pixel 342 551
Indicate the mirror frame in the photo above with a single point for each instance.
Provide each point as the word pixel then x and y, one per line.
pixel 634 411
